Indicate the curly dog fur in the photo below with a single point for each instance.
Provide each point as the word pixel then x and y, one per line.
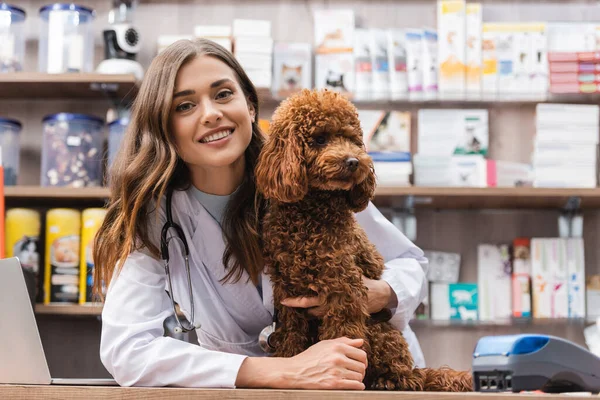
pixel 315 173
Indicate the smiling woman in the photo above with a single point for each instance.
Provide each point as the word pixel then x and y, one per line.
pixel 184 214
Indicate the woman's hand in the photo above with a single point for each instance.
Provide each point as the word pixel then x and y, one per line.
pixel 379 294
pixel 331 364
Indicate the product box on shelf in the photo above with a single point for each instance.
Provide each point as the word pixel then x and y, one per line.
pixel 473 49
pixel 444 267
pixel 397 55
pixel 61 275
pixel 521 278
pixel 576 276
pixel 292 68
pixel 451 47
pixel 593 297
pixel 334 30
pixel 494 278
pixel 463 299
pixel 414 62
pixel 380 89
pixel 363 64
pixel 541 280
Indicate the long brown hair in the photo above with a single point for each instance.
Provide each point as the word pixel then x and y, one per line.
pixel 148 165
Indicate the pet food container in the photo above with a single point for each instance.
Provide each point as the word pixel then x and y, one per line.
pixel 10 132
pixel 12 38
pixel 116 130
pixel 72 150
pixel 66 39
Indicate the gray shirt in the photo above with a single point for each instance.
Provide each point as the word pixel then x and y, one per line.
pixel 216 205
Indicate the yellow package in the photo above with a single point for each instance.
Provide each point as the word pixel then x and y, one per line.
pixel 61 278
pixel 91 220
pixel 21 240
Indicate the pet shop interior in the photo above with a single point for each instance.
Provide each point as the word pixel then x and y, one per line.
pixel 481 118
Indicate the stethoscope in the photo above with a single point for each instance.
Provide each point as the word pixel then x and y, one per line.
pixel 264 338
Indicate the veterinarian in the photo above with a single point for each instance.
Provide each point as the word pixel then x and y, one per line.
pixel 194 134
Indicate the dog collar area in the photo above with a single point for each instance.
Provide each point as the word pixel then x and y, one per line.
pixel 534 362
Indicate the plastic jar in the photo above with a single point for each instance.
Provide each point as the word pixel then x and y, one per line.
pixel 66 39
pixel 10 132
pixel 12 38
pixel 72 150
pixel 116 131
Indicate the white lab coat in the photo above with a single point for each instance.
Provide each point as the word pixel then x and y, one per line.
pixel 133 348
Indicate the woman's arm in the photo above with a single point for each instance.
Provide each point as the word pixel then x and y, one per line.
pixel 132 346
pixel 330 364
pixel 135 352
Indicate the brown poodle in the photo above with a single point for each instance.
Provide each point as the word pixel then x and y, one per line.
pixel 315 172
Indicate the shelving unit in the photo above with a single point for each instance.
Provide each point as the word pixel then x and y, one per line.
pixel 41 86
pixel 549 322
pixel 32 196
pixel 423 197
pixel 69 309
pixel 72 309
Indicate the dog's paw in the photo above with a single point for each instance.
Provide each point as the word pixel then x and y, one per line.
pixel 383 384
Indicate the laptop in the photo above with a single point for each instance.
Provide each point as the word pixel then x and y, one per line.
pixel 22 358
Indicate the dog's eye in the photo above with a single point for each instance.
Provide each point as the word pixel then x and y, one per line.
pixel 321 140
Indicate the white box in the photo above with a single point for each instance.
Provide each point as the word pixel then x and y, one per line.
pixel 251 27
pixel 397 64
pixel 511 174
pixel 380 88
pixel 489 75
pixel 363 64
pixel 292 68
pixel 261 78
pixel 494 280
pixel 473 49
pixel 253 45
pixel 334 31
pixel 439 298
pixel 391 135
pixel 453 131
pixel 576 271
pixel 335 71
pixel 469 171
pixel 541 279
pixel 593 297
pixel 559 277
pixel 212 31
pixel 451 47
pixel 444 267
pixel 430 65
pixel 255 61
pixel 521 286
pixel 414 59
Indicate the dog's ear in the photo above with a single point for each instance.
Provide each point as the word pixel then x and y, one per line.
pixel 281 171
pixel 360 195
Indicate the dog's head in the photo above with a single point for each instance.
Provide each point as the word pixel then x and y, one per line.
pixel 315 142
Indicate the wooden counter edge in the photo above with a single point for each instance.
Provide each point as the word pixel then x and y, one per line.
pixel 38 392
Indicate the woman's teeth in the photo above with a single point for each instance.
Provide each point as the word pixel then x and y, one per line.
pixel 216 136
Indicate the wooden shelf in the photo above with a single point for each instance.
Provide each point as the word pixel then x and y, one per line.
pixel 268 100
pixel 36 196
pixel 431 323
pixel 34 86
pixel 480 198
pixel 68 309
pixel 423 197
pixel 74 309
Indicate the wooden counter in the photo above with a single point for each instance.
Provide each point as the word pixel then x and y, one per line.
pixel 55 392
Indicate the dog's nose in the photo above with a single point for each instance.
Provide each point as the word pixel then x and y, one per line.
pixel 352 163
